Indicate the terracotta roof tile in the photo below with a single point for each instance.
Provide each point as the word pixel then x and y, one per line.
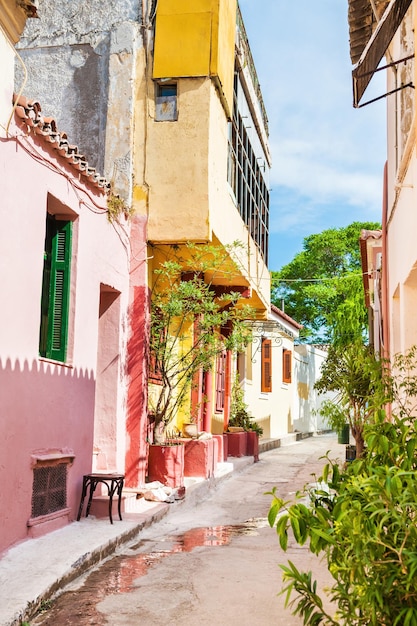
pixel 286 317
pixel 29 113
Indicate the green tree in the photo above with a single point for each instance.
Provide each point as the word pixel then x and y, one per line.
pixel 323 284
pixel 190 324
pixel 354 375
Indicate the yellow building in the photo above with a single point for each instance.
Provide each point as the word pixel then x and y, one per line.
pixel 165 95
pixel 203 175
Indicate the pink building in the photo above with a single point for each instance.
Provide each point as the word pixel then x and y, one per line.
pixel 73 300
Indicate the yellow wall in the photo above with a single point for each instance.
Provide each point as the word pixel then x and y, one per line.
pixel 186 175
pixel 177 167
pixel 196 38
pixel 185 191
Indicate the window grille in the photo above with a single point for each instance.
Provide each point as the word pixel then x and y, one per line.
pixel 246 178
pixel 49 489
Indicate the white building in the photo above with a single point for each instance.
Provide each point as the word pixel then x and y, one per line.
pixel 267 373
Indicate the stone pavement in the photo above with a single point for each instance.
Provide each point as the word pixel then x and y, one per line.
pixel 32 571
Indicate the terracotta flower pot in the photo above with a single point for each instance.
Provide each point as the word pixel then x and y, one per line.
pixel 237 443
pixel 253 445
pixel 166 464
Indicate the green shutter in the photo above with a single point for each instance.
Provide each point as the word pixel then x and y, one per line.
pixel 55 292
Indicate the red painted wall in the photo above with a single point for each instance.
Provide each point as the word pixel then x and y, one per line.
pixel 137 350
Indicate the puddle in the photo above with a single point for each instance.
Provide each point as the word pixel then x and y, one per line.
pixel 118 574
pixel 209 536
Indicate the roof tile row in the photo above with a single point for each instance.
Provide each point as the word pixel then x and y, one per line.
pixel 28 112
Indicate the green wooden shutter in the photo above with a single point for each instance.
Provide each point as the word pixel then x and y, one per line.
pixel 55 294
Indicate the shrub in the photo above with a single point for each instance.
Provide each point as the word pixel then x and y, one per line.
pixel 364 523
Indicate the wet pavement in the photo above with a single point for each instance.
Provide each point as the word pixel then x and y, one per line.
pixel 118 575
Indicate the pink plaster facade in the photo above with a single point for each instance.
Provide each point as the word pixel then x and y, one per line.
pixel 87 412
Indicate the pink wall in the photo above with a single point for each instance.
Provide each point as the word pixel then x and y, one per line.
pixel 46 407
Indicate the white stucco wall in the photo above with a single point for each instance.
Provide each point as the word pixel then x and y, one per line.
pixel 307 364
pixel 272 410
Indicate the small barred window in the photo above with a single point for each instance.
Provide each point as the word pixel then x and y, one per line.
pixel 49 489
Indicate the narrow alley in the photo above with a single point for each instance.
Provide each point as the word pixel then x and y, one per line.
pixel 214 562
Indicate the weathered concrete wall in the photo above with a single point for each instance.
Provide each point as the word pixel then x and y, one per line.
pixel 80 60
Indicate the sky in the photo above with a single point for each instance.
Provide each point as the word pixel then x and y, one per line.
pixel 327 156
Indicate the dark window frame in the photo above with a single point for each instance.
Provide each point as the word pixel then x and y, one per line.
pixel 244 175
pixel 166 102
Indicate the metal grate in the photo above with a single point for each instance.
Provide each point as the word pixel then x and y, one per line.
pixel 49 489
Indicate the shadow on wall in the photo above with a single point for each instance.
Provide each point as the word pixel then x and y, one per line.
pixel 137 421
pixel 308 360
pixel 45 408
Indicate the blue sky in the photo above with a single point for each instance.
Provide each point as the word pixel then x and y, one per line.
pixel 327 157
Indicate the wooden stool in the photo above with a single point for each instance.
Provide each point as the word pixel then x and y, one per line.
pixel 114 484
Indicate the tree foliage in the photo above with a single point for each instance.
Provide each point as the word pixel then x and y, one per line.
pixel 354 374
pixel 323 284
pixel 190 324
pixel 362 520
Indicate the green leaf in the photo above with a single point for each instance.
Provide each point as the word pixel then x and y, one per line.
pixel 275 508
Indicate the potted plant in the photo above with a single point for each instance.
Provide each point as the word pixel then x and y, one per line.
pixel 187 320
pixel 243 431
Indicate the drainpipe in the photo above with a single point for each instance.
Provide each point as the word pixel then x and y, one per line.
pixel 385 281
pixel 227 389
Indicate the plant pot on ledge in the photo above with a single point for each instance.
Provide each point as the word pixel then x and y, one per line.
pixel 252 443
pixel 237 443
pixel 200 457
pixel 166 464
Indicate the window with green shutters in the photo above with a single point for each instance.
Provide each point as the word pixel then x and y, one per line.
pixel 55 289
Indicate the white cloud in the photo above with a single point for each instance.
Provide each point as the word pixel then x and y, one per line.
pixel 309 172
pixel 327 157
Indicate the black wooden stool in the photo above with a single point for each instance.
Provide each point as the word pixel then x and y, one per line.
pixel 114 484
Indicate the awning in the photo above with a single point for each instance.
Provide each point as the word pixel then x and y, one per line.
pixel 377 46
